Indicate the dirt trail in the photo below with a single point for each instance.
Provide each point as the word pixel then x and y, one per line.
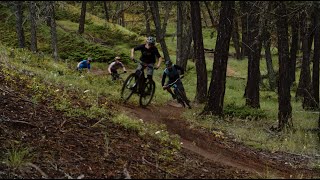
pixel 225 152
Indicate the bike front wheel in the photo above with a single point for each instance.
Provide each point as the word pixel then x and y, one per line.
pixel 182 99
pixel 128 87
pixel 147 94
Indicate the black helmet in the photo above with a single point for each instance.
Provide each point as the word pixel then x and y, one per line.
pixel 168 63
pixel 151 40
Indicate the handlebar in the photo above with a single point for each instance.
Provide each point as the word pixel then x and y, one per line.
pixel 144 64
pixel 171 84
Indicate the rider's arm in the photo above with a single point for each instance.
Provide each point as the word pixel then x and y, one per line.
pixel 159 62
pixel 135 49
pixel 159 57
pixel 124 68
pixel 132 53
pixel 109 68
pixel 89 66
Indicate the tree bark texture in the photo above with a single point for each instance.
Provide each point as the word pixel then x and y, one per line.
pixel 160 31
pixel 146 15
pixel 316 57
pixel 236 37
pixel 213 21
pixel 294 47
pixel 268 56
pixel 19 24
pixel 106 11
pixel 202 78
pixel 304 87
pixel 179 32
pixel 54 39
pixel 33 25
pixel 218 77
pixel 82 18
pixel 244 26
pixel 254 55
pixel 284 96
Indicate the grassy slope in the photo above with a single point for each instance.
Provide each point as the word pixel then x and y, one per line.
pixel 299 141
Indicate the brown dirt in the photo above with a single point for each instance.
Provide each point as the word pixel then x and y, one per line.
pixel 64 147
pixel 71 147
pixel 225 151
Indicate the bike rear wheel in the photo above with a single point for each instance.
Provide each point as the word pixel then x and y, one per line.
pixel 129 87
pixel 147 94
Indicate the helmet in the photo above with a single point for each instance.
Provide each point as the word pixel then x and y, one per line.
pixel 151 40
pixel 117 58
pixel 89 59
pixel 168 63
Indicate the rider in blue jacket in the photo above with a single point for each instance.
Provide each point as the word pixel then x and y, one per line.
pixel 84 64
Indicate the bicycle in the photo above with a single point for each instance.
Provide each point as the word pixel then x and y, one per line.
pixel 181 97
pixel 116 77
pixel 137 83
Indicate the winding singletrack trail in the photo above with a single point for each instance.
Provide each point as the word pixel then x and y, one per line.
pixel 224 151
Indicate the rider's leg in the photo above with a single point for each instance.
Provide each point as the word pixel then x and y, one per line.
pixel 149 75
pixel 150 72
pixel 172 94
pixel 180 86
pixel 114 74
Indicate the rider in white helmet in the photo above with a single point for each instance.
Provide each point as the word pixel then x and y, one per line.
pixel 149 53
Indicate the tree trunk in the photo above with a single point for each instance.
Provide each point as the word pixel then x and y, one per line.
pixel 32 8
pixel 54 41
pixel 203 16
pixel 179 32
pixel 245 28
pixel 254 55
pixel 236 37
pixel 271 73
pixel 82 17
pixel 186 36
pixel 284 97
pixel 146 15
pixel 304 86
pixel 121 18
pixel 218 77
pixel 19 24
pixel 213 22
pixel 106 10
pixel 294 48
pixel 316 57
pixel 267 46
pixel 160 31
pixel 202 79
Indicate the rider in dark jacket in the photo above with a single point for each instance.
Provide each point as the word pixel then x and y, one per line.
pixel 172 71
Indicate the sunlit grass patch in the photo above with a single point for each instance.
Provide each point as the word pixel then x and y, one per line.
pixel 17 157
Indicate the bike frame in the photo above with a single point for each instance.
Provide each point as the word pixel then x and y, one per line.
pixel 176 89
pixel 141 75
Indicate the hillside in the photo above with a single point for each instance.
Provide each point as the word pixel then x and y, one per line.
pixel 58 123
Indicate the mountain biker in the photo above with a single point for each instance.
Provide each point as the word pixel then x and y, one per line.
pixel 172 71
pixel 149 53
pixel 84 64
pixel 114 66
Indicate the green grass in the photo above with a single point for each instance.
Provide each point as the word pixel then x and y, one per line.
pixel 58 82
pixel 253 132
pixel 17 157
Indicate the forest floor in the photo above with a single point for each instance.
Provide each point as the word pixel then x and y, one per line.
pixel 69 147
